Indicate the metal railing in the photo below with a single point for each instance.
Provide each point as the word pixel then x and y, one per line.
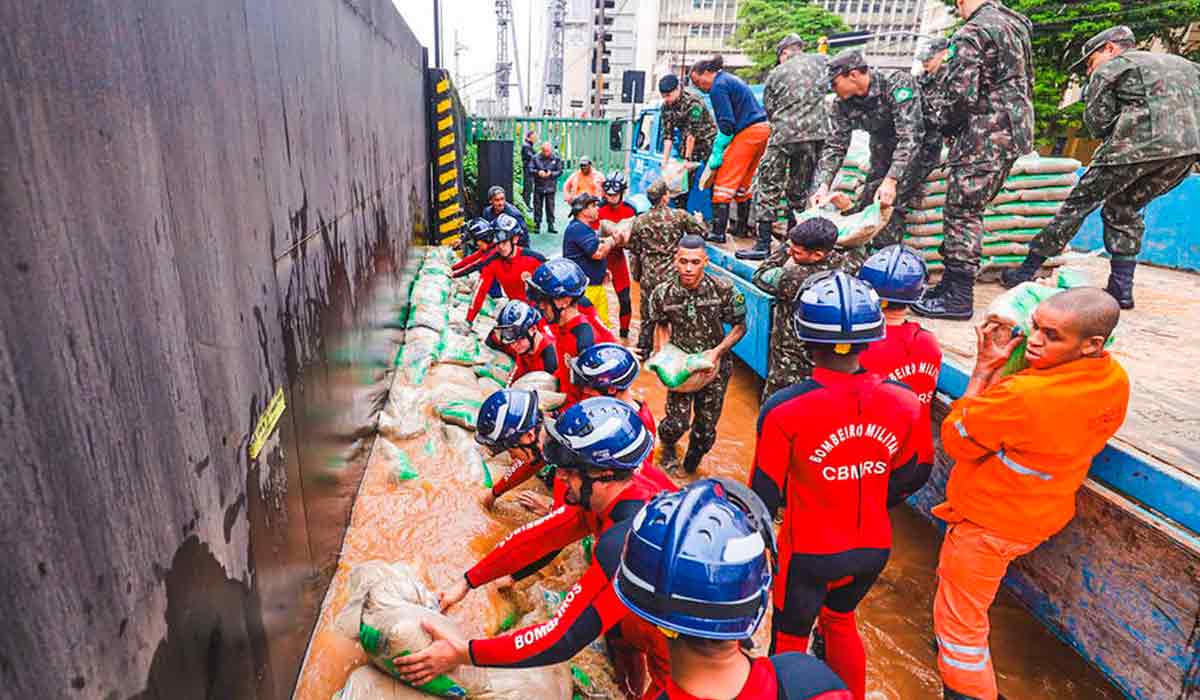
pixel 572 138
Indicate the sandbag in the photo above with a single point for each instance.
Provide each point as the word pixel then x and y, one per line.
pixel 916 230
pixel 405 415
pixel 489 386
pixel 1046 194
pixel 1000 248
pixel 536 381
pixel 1026 182
pixel 1007 196
pixel 676 174
pixel 1019 208
pixel 396 461
pixel 935 201
pixel 619 231
pixel 1034 164
pixel 923 241
pixel 1004 222
pixel 1019 235
pixel 933 187
pixel 433 317
pixel 551 400
pixel 495 371
pixel 923 216
pixel 368 683
pixel 458 412
pixel 460 350
pixel 853 230
pixel 680 371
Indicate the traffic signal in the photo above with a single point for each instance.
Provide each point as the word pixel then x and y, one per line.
pixel 606 4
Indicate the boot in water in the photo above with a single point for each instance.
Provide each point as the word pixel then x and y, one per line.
pixel 691 461
pixel 720 222
pixel 1120 281
pixel 1025 273
pixel 954 302
pixel 762 247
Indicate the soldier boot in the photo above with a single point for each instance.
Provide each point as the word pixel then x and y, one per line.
pixel 1025 273
pixel 1120 281
pixel 668 455
pixel 741 227
pixel 691 460
pixel 956 299
pixel 762 246
pixel 720 222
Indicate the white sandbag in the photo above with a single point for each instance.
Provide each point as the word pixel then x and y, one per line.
pixel 619 231
pixel 1034 164
pixel 434 317
pixel 536 381
pixel 676 174
pixel 923 241
pixel 1027 182
pixel 405 415
pixel 458 412
pixel 368 683
pixel 488 386
pixel 854 229
pixel 551 400
pixel 679 371
pixel 460 350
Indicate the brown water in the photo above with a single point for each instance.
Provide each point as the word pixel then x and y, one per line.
pixel 436 523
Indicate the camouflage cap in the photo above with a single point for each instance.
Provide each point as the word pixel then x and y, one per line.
pixel 843 63
pixel 932 49
pixel 1121 35
pixel 789 40
pixel 657 190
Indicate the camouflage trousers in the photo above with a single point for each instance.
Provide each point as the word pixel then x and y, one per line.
pixel 1124 190
pixel 970 187
pixel 785 171
pixel 908 188
pixel 645 339
pixel 786 365
pixel 702 408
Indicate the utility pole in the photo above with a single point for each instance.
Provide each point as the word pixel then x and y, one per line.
pixel 598 61
pixel 437 33
pixel 529 58
pixel 503 64
pixel 552 66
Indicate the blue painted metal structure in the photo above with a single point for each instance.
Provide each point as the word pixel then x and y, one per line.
pixel 1171 239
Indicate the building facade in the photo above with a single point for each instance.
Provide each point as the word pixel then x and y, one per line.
pixel 899 20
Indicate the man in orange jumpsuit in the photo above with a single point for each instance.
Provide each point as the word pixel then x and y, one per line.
pixel 1022 446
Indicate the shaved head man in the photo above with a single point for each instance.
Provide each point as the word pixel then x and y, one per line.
pixel 1070 325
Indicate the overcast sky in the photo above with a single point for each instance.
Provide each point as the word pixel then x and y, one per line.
pixel 475 23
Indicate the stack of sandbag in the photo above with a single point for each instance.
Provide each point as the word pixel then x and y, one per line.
pixel 1032 195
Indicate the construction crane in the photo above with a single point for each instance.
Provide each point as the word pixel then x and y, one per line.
pixel 503 63
pixel 551 101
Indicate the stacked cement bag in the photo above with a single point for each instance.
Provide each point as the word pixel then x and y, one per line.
pixel 1032 195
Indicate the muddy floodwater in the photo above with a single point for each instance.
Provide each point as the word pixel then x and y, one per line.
pixel 436 522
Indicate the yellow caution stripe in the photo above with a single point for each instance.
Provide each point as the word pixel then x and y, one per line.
pixel 267 422
pixel 452 225
pixel 447 212
pixel 448 176
pixel 447 194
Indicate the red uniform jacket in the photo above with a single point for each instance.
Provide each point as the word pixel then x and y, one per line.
pixel 508 272
pixel 790 676
pixel 473 262
pixel 572 338
pixel 543 357
pixel 827 449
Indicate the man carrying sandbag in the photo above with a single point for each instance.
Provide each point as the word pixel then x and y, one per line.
pixel 652 243
pixel 889 107
pixel 1146 107
pixel 684 111
pixel 986 104
pixel 690 310
pixel 598 446
pixel 1022 446
pixel 583 245
pixel 794 98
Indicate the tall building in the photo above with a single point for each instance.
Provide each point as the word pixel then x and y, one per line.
pixel 900 20
pixel 581 31
pixel 689 30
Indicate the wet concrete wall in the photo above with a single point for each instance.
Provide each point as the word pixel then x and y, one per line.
pixel 193 198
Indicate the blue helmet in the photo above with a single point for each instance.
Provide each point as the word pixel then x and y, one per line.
pixel 515 321
pixel 604 366
pixel 479 229
pixel 699 561
pixel 505 416
pixel 600 433
pixel 835 308
pixel 897 273
pixel 557 278
pixel 504 228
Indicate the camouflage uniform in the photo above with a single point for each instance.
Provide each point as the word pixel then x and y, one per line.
pixel 987 104
pixel 1146 107
pixel 653 241
pixel 892 112
pixel 778 276
pixel 689 115
pixel 794 98
pixel 697 319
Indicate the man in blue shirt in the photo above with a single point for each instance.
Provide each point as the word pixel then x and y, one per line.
pixel 582 244
pixel 497 205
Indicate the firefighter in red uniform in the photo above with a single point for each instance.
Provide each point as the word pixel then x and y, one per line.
pixel 598 446
pixel 909 354
pixel 524 335
pixel 509 267
pixel 616 209
pixel 697 565
pixel 478 237
pixel 557 290
pixel 510 421
pixel 827 449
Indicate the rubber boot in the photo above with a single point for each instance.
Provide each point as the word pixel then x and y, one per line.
pixel 720 222
pixel 741 227
pixel 691 461
pixel 668 455
pixel 951 694
pixel 956 300
pixel 762 247
pixel 1120 281
pixel 1029 267
pixel 791 218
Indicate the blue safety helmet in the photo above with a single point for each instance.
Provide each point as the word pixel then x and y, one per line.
pixel 615 183
pixel 897 273
pixel 505 416
pixel 835 308
pixel 515 321
pixel 600 433
pixel 604 367
pixel 557 278
pixel 699 561
pixel 504 228
pixel 479 229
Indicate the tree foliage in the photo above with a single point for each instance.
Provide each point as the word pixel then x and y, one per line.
pixel 762 23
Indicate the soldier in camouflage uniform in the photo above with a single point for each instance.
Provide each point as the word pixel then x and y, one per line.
pixel 684 111
pixel 933 81
pixel 652 245
pixel 690 310
pixel 811 249
pixel 1146 107
pixel 889 107
pixel 987 107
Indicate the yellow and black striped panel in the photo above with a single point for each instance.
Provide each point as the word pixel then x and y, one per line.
pixel 448 203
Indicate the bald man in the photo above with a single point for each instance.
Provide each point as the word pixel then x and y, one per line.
pixel 1022 446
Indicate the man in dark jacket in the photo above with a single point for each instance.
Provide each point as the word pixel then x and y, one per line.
pixel 497 205
pixel 547 168
pixel 527 154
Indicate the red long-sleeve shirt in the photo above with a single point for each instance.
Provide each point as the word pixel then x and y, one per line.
pixel 793 676
pixel 827 450
pixel 508 272
pixel 573 337
pixel 542 357
pixel 473 262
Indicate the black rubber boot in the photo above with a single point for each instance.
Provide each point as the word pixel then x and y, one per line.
pixel 762 247
pixel 956 300
pixel 1029 267
pixel 1120 281
pixel 951 694
pixel 741 228
pixel 691 461
pixel 720 222
pixel 668 455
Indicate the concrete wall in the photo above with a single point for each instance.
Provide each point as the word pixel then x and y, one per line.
pixel 193 198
